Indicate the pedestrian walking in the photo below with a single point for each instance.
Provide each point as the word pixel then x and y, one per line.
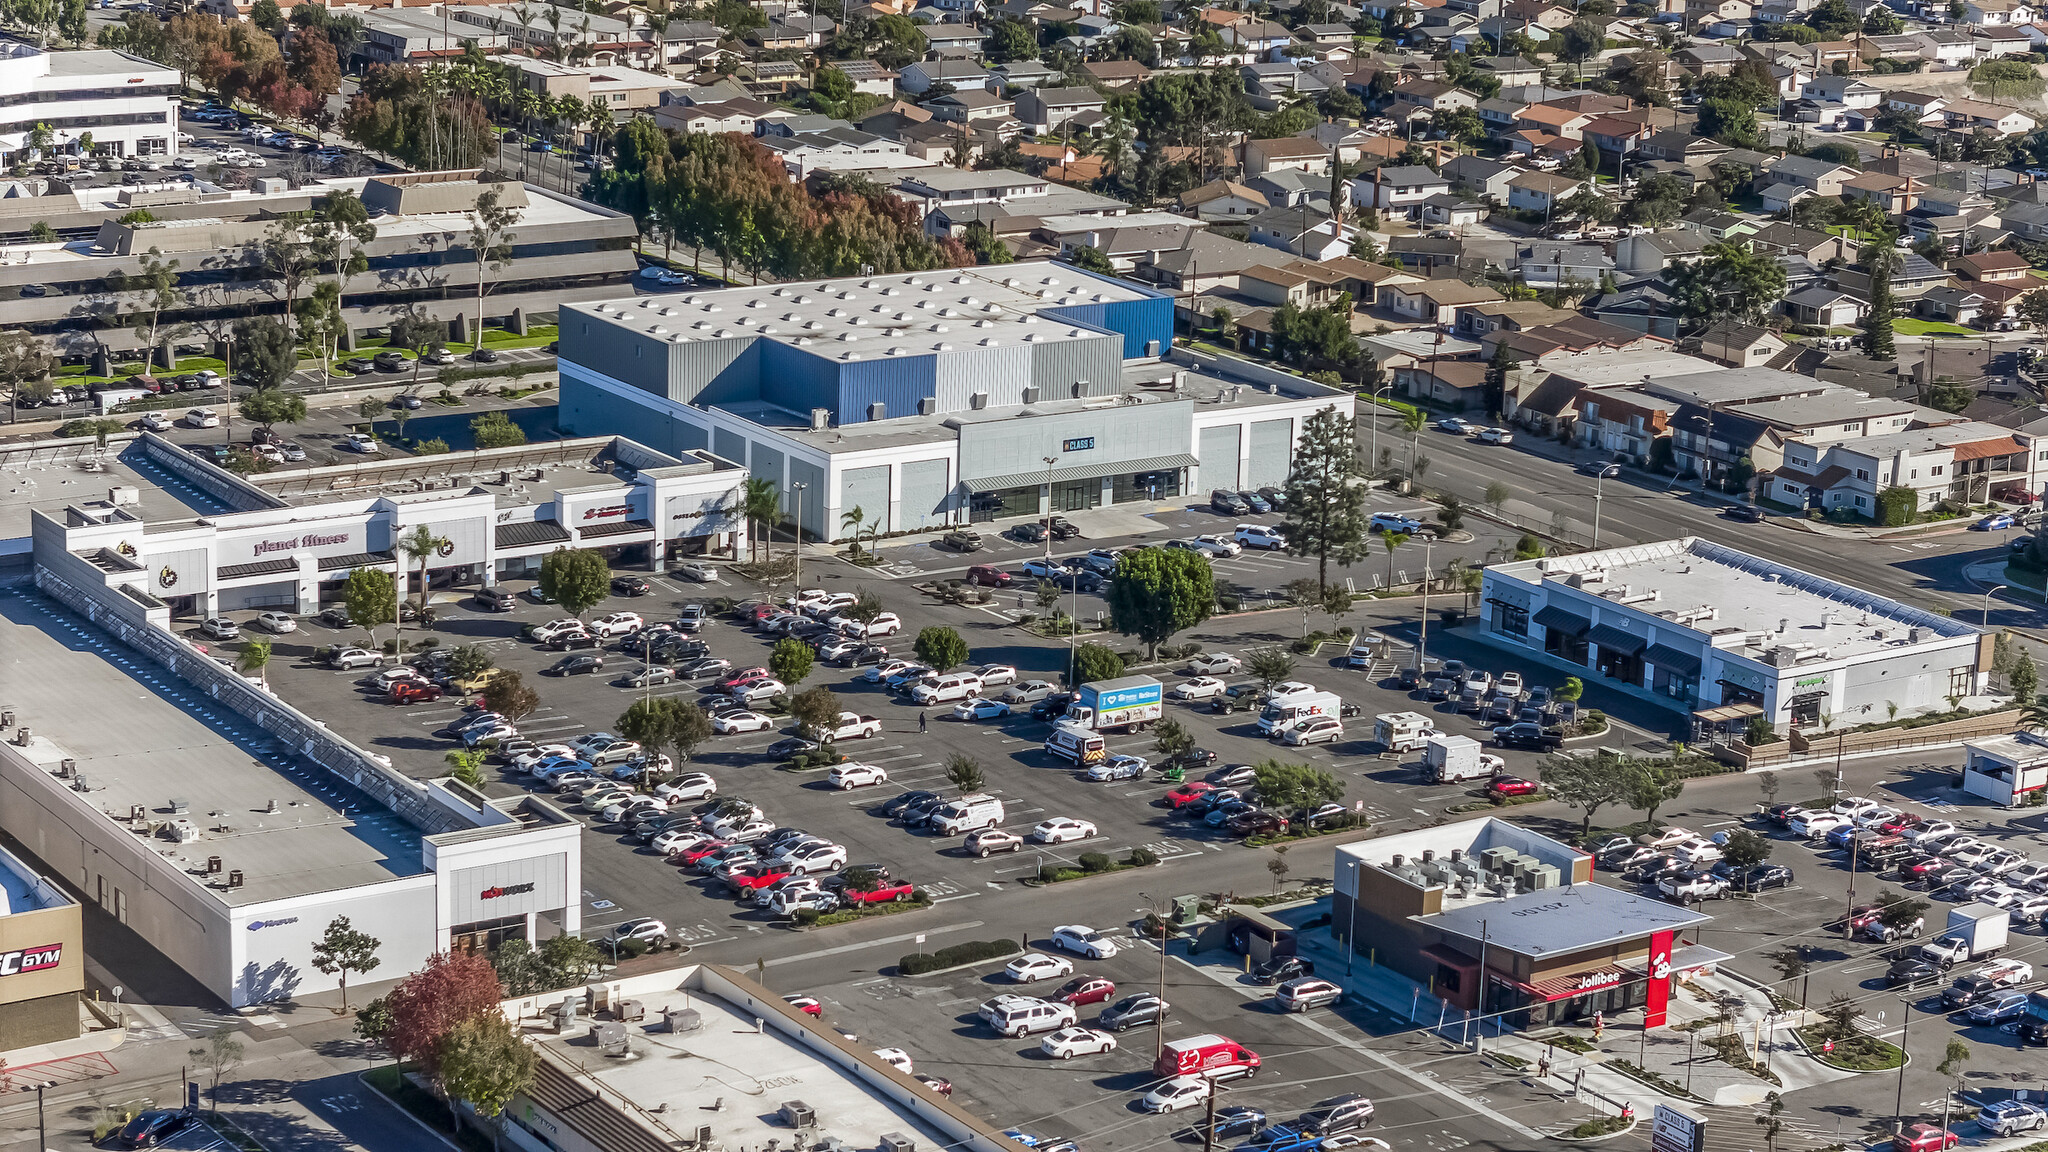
pixel 920 723
pixel 1543 1067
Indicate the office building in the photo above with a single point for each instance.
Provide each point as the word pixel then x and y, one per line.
pixel 128 105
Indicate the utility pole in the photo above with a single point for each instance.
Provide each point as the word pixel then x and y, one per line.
pixel 1049 462
pixel 1422 645
pixel 797 581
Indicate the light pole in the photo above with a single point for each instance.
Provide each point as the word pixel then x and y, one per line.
pixel 1899 1103
pixel 1159 1031
pixel 42 1129
pixel 1598 482
pixel 1422 644
pixel 1049 462
pixel 1373 465
pixel 798 577
pixel 1984 613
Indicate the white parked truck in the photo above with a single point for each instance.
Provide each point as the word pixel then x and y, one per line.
pixel 1402 731
pixel 1975 931
pixel 1446 759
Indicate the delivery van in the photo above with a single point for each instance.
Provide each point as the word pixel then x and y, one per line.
pixel 1281 711
pixel 1217 1057
pixel 1075 743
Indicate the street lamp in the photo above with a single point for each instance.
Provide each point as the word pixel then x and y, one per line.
pixel 42 1129
pixel 798 577
pixel 1598 482
pixel 1159 1030
pixel 1049 462
pixel 1984 613
pixel 1422 643
pixel 1372 417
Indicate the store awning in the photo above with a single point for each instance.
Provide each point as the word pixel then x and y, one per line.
pixel 1671 659
pixel 1558 620
pixel 1728 713
pixel 356 560
pixel 1082 472
pixel 259 568
pixel 1615 640
pixel 1578 984
pixel 531 532
pixel 621 528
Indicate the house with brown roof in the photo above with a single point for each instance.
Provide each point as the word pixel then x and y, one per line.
pixel 1430 96
pixel 1296 152
pixel 1613 135
pixel 1894 194
pixel 1740 345
pixel 1222 200
pixel 1994 267
pixel 1548 118
pixel 1434 301
pixel 1458 384
pixel 1116 74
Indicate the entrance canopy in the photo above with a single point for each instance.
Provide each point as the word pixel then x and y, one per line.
pixel 1083 472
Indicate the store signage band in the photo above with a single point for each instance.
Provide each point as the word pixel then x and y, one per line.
pixel 1078 444
pixel 1592 980
pixel 35 959
pixel 607 511
pixel 259 925
pixel 309 540
pixel 505 890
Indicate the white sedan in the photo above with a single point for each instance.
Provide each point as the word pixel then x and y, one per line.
pixel 896 1058
pixel 976 708
pixel 847 777
pixel 995 675
pixel 1178 1093
pixel 1082 940
pixel 733 722
pixel 526 762
pixel 1061 829
pixel 1068 1043
pixel 678 839
pixel 278 622
pixel 1032 967
pixel 1216 664
pixel 1214 544
pixel 1200 688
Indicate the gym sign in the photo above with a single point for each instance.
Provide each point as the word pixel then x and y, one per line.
pixel 30 959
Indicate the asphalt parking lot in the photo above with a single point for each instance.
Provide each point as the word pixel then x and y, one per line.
pixel 626 880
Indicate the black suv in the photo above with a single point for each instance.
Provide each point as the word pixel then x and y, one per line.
pixel 1052 707
pixel 1911 971
pixel 1283 968
pixel 1967 991
pixel 1229 503
pixel 1531 736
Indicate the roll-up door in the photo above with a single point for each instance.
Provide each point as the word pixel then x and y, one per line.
pixel 868 490
pixel 1272 451
pixel 1217 451
pixel 925 495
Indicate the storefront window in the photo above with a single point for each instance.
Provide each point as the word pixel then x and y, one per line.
pixel 1510 620
pixel 1163 485
pixel 1005 503
pixel 1675 685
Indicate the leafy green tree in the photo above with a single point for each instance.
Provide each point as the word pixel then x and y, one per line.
pixel 1881 261
pixel 255 658
pixel 264 353
pixel 578 579
pixel 1171 738
pixel 485 1064
pixel 421 546
pixel 343 949
pixel 2024 678
pixel 494 429
pixel 465 767
pixel 371 595
pixel 816 709
pixel 1650 788
pixel 1096 662
pixel 508 694
pixel 1582 40
pixel 2008 80
pixel 964 772
pixel 1571 689
pixel 1746 849
pixel 791 660
pixel 1836 152
pixel 25 367
pixel 1730 121
pixel 1270 666
pixel 941 647
pixel 1588 783
pixel 490 245
pixel 1090 259
pixel 469 661
pixel 1154 593
pixel 1296 788
pixel 273 406
pixel 1325 508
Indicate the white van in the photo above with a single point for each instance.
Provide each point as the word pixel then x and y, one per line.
pixel 1403 731
pixel 951 686
pixel 967 814
pixel 1283 710
pixel 1075 743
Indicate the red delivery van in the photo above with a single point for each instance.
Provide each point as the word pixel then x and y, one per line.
pixel 1217 1057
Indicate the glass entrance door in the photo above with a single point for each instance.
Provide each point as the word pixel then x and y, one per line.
pixel 1076 495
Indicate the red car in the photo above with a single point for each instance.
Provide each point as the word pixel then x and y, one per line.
pixel 1510 786
pixel 755 874
pixel 414 692
pixel 988 575
pixel 759 612
pixel 689 857
pixel 742 677
pixel 882 893
pixel 1900 823
pixel 1084 990
pixel 1923 1138
pixel 806 1005
pixel 1180 797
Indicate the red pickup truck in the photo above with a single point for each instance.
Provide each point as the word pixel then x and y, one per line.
pixel 882 893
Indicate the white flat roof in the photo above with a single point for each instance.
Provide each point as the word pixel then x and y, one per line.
pixel 1756 604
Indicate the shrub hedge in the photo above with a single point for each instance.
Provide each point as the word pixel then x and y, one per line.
pixel 918 963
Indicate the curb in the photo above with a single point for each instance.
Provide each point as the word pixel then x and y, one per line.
pixel 955 968
pixel 1825 1063
pixel 1562 1138
pixel 363 1078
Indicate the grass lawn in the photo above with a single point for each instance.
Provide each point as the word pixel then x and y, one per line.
pixel 2037 272
pixel 537 336
pixel 1907 327
pixel 1857 1053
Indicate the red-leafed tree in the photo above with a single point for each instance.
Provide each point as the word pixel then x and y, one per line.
pixel 314 68
pixel 427 1005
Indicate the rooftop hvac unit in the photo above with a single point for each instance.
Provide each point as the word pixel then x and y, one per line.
pixel 896 1142
pixel 234 878
pixel 213 865
pixel 702 1138
pixel 180 806
pixel 927 405
pixel 878 411
pixel 610 1037
pixel 563 1015
pixel 978 401
pixel 630 1010
pixel 124 494
pixel 1030 394
pixel 798 1114
pixel 681 1020
pixel 137 813
pixel 1542 877
pixel 67 768
pixel 821 419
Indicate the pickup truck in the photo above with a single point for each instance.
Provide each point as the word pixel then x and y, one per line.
pixel 849 726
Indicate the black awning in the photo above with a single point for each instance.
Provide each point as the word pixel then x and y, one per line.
pixel 356 560
pixel 1808 697
pixel 1684 663
pixel 259 568
pixel 531 532
pixel 1615 640
pixel 1558 620
pixel 621 528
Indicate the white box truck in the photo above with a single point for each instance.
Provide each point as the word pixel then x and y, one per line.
pixel 1975 931
pixel 1402 731
pixel 1446 759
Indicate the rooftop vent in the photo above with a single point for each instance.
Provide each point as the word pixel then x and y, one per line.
pixel 942 347
pixel 895 350
pixel 927 405
pixel 821 419
pixel 658 330
pixel 991 342
pixel 978 401
pixel 915 280
pixel 971 302
pixel 878 411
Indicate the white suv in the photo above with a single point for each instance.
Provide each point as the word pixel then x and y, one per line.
pixel 1264 536
pixel 616 624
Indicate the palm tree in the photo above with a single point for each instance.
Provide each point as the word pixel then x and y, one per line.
pixel 256 658
pixel 1412 421
pixel 852 518
pixel 1393 542
pixel 761 502
pixel 421 545
pixel 467 768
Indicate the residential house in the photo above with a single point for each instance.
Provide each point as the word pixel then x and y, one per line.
pixel 1995 267
pixel 1299 153
pixel 1975 115
pixel 973 106
pixel 1222 200
pixel 1917 106
pixel 1646 306
pixel 1207 263
pixel 1258 39
pixel 1708 59
pixel 1308 234
pixel 1579 266
pixel 1997 13
pixel 1426 254
pixel 1683 147
pixel 1779 238
pixel 1964 461
pixel 1398 188
pixel 1846 91
pixel 917 78
pixel 1479 176
pixel 1740 345
pixel 1621 421
pixel 1116 75
pixel 1820 176
pixel 1554 121
pixel 1614 136
pixel 1434 301
pixel 1013 78
pixel 1542 145
pixel 1650 254
pixel 1412 96
pixel 1457 384
pixel 1511 71
pixel 1894 194
pixel 793 31
pixel 1914 276
pixel 1291 188
pixel 868 77
pixel 2027 221
pixel 1955 305
pixel 1045 111
pixel 1450 210
pixel 1498 115
pixel 1481 320
pixel 1540 191
pixel 1824 308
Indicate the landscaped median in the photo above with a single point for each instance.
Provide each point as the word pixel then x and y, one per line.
pixel 812 918
pixel 1857 1053
pixel 958 956
pixel 1091 864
